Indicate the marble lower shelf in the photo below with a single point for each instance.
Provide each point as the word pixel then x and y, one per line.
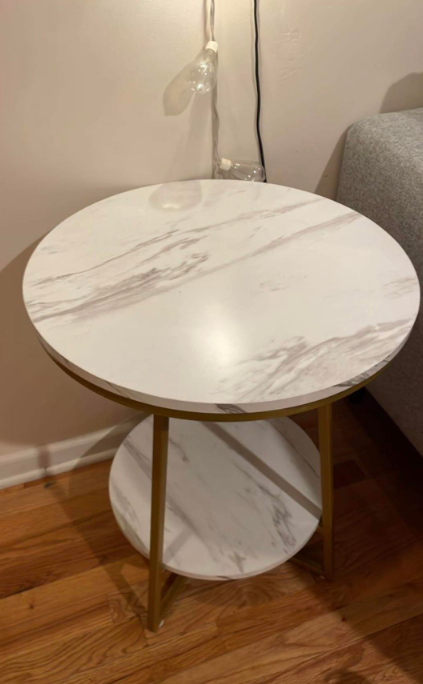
pixel 242 498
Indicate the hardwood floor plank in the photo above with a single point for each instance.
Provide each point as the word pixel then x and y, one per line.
pixel 26 618
pixel 393 656
pixel 289 648
pixel 61 553
pixel 198 605
pixel 394 569
pixel 21 526
pixel 76 658
pixel 405 494
pixel 54 489
pixel 108 654
pixel 365 494
pixel 175 655
pixel 375 549
pixel 366 535
pixel 261 621
pixel 347 473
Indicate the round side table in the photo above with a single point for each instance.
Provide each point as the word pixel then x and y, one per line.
pixel 226 307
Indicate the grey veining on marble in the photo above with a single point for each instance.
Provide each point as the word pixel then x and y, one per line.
pixel 241 498
pixel 221 296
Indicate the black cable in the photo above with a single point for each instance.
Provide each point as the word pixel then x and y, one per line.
pixel 258 88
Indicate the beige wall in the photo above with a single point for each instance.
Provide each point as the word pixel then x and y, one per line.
pixel 82 118
pixel 326 63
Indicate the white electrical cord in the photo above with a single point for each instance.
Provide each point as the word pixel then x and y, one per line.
pixel 215 113
pixel 215 132
pixel 212 11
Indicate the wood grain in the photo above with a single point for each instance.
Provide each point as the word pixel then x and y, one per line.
pixel 308 640
pixel 63 487
pixel 365 661
pixel 51 611
pixel 73 591
pixel 202 603
pixel 61 553
pixel 21 526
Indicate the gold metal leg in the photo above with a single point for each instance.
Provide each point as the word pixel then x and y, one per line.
pixel 326 460
pixel 158 502
pixel 326 526
pixel 159 600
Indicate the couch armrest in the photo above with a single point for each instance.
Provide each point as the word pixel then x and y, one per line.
pixel 382 176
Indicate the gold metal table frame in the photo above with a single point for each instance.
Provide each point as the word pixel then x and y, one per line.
pixel 161 597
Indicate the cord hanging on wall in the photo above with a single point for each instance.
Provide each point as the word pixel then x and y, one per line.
pixel 239 169
pixel 258 84
pixel 201 78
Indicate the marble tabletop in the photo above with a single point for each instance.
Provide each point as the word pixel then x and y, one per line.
pixel 221 296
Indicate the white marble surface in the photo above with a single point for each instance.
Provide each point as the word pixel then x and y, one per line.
pixel 221 296
pixel 241 498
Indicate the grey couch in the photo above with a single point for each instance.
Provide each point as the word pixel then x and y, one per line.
pixel 382 178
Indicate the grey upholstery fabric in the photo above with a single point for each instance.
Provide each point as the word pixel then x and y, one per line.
pixel 382 178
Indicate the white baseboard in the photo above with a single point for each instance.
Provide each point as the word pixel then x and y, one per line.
pixel 60 457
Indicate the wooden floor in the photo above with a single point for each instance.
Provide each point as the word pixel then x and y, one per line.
pixel 73 591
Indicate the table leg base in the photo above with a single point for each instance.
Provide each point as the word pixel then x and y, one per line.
pixel 312 565
pixel 168 593
pixel 175 584
pixel 309 564
pixel 326 571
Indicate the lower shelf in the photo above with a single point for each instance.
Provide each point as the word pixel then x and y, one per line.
pixel 242 498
